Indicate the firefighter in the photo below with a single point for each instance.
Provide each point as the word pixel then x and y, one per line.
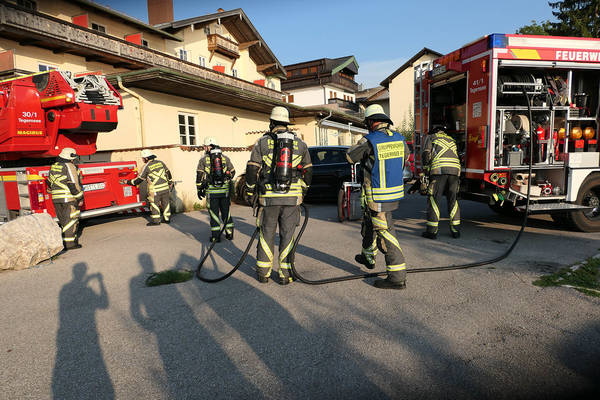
pixel 214 180
pixel 382 154
pixel 64 184
pixel 279 172
pixel 441 163
pixel 160 184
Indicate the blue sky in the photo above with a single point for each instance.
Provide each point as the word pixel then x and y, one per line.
pixel 382 35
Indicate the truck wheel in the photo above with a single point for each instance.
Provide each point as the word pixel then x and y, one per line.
pixel 341 205
pixel 589 195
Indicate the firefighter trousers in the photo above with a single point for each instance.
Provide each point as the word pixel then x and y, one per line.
pixel 269 217
pixel 68 219
pixel 159 204
pixel 220 205
pixel 378 233
pixel 440 185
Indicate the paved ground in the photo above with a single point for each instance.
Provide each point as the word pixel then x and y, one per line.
pixel 85 326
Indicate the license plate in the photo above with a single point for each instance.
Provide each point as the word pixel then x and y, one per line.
pixel 94 186
pixel 127 191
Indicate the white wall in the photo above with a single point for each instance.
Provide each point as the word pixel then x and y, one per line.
pixel 317 95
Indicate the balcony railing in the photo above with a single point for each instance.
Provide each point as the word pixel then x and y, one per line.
pixel 348 105
pixel 41 30
pixel 222 45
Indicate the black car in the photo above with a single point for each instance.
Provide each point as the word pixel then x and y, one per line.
pixel 330 170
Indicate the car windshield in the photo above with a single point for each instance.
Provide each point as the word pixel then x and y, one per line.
pixel 328 156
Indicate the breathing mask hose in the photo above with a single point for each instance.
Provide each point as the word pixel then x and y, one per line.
pixel 429 269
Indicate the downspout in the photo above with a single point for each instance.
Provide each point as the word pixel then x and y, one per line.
pixel 323 119
pixel 141 107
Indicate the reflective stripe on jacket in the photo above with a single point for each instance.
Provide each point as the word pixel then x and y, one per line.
pixel 158 176
pixel 61 176
pixel 440 155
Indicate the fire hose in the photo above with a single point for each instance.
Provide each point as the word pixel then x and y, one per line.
pixel 452 267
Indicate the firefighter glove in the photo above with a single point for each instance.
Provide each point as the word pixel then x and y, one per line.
pixel 201 194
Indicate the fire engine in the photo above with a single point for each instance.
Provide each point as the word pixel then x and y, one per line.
pixel 39 115
pixel 483 93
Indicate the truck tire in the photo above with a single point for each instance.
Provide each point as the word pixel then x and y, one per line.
pixel 340 205
pixel 589 195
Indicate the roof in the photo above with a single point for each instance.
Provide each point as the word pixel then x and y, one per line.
pixel 127 18
pixel 238 24
pixel 366 93
pixel 333 65
pixel 409 63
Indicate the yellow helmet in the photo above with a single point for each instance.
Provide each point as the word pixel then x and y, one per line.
pixel 68 153
pixel 280 114
pixel 375 112
pixel 146 153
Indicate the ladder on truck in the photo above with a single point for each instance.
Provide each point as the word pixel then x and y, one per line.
pixel 421 71
pixel 22 190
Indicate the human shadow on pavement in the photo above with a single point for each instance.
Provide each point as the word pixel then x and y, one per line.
pixel 79 368
pixel 193 362
pixel 580 352
pixel 288 361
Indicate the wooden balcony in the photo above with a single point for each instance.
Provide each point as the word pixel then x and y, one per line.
pixel 30 28
pixel 222 45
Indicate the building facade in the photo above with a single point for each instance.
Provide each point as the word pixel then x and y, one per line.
pixel 181 81
pixel 401 87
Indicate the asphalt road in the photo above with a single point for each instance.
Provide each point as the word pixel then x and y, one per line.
pixel 85 326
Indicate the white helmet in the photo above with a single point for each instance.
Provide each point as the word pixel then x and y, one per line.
pixel 68 153
pixel 375 112
pixel 209 140
pixel 146 153
pixel 280 114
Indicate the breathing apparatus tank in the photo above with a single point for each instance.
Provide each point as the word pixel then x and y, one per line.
pixel 283 173
pixel 216 166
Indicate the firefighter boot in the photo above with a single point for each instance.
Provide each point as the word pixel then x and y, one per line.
pixel 361 259
pixel 229 236
pixel 429 235
pixel 387 283
pixel 261 278
pixel 455 233
pixel 215 239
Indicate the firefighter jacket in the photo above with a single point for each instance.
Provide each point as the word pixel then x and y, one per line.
pixel 204 177
pixel 158 176
pixel 440 156
pixel 382 155
pixel 259 171
pixel 64 182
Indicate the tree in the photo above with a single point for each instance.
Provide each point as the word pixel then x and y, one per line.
pixel 535 29
pixel 407 127
pixel 580 18
pixel 576 18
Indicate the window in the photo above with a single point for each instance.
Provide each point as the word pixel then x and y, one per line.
pixel 183 54
pixel 234 72
pixel 45 67
pixel 289 74
pixel 290 98
pixel 28 4
pixel 331 94
pixel 318 156
pixel 207 30
pixel 145 43
pixel 187 129
pixel 202 61
pixel 98 28
pixel 313 69
pixel 304 71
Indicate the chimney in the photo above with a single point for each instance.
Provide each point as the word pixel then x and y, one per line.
pixel 160 11
pixel 220 10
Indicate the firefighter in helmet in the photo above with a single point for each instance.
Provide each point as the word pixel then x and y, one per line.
pixel 64 184
pixel 214 180
pixel 382 154
pixel 441 162
pixel 160 184
pixel 279 172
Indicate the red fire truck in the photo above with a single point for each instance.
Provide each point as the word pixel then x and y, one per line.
pixel 481 92
pixel 39 115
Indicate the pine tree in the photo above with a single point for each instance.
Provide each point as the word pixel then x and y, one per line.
pixel 576 18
